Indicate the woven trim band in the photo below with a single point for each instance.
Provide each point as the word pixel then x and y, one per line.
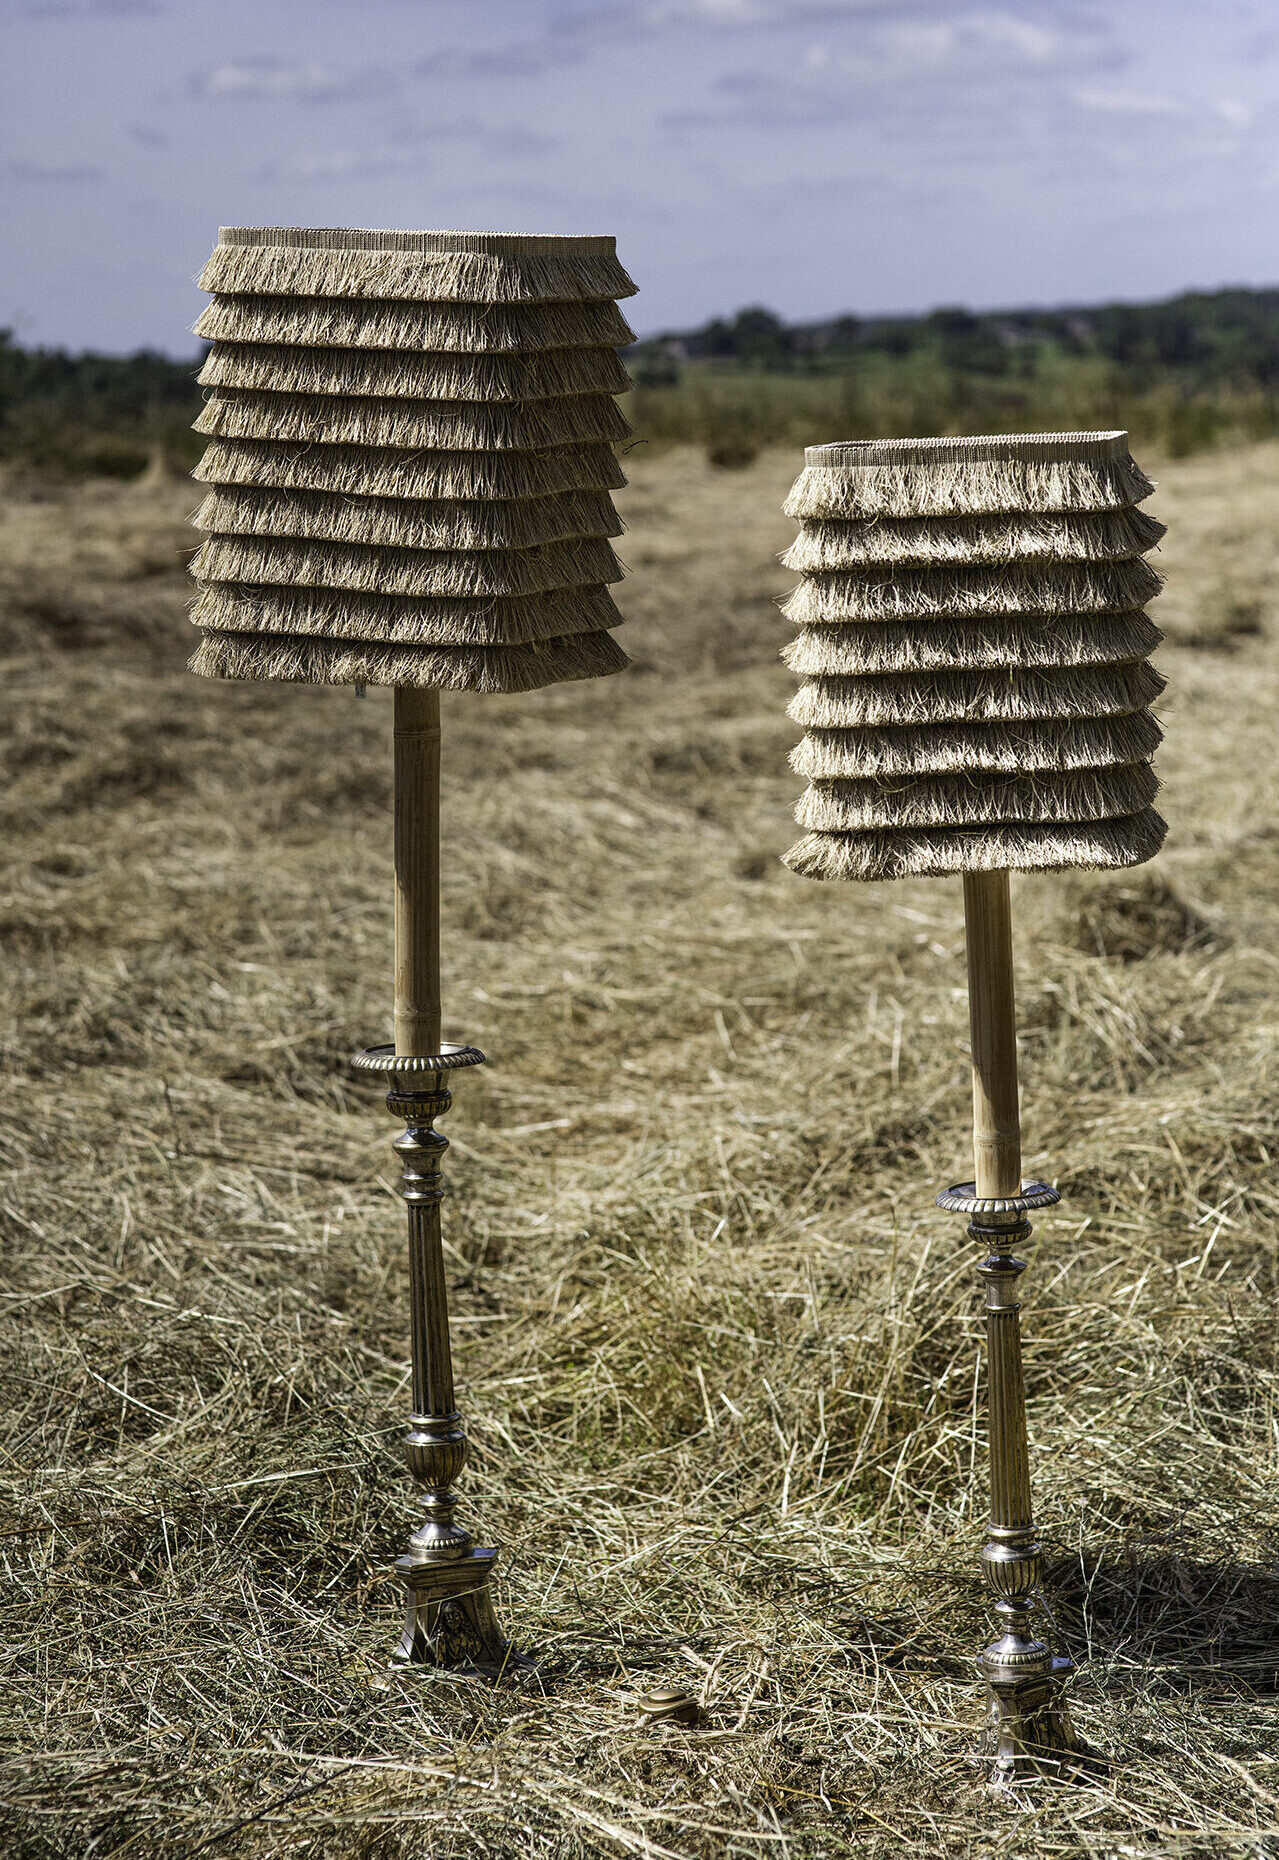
pixel 993 448
pixel 496 245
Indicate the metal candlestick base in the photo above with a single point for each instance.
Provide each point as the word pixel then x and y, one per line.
pixel 450 1620
pixel 1029 1734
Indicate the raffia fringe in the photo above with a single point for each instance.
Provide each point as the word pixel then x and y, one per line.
pixel 1043 744
pixel 360 472
pixel 417 276
pixel 967 487
pixel 995 697
pixel 853 648
pixel 1100 536
pixel 391 620
pixel 491 669
pixel 456 572
pixel 959 800
pixel 237 413
pixel 937 852
pixel 346 323
pixel 960 594
pixel 278 369
pixel 522 523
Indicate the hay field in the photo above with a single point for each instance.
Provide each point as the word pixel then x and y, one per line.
pixel 717 1351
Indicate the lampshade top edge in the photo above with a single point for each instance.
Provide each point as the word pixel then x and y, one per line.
pixel 362 239
pixel 987 448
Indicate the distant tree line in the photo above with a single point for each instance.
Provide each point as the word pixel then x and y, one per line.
pixel 1215 339
pixel 1187 373
pixel 93 412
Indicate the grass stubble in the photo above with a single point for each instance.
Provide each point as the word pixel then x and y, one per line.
pixel 717 1352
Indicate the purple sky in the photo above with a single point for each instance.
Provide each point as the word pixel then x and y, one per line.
pixel 812 155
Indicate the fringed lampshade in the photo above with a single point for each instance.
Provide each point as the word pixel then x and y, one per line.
pixel 973 644
pixel 411 458
pixel 409 471
pixel 976 698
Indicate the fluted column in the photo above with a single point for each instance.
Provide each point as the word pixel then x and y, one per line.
pixel 435 1445
pixel 1030 1728
pixel 450 1619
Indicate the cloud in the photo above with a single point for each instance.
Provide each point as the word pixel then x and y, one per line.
pixel 1133 103
pixel 342 164
pixel 935 70
pixel 629 18
pixel 93 9
pixel 73 174
pixel 574 32
pixel 280 79
pixel 504 142
pixel 411 150
pixel 520 59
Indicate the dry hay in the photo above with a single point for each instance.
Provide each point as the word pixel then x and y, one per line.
pixel 717 1352
pixel 361 323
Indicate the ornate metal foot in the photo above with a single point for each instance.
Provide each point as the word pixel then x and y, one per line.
pixel 1029 1733
pixel 450 1620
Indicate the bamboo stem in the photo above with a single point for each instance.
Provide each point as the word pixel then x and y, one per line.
pixel 992 1020
pixel 417 871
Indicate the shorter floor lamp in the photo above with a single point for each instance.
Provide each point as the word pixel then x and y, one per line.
pixel 976 700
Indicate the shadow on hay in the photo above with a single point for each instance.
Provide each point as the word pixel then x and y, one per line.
pixel 1173 1623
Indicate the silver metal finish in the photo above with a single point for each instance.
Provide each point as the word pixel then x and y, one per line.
pixel 450 1619
pixel 962 1198
pixel 1029 1731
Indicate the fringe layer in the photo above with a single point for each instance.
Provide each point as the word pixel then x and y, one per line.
pixel 959 800
pixel 492 669
pixel 238 413
pixel 359 472
pixel 953 488
pixel 275 368
pixel 1042 745
pixel 471 329
pixel 392 522
pixel 938 852
pixel 448 572
pixel 422 276
pixel 1099 536
pixel 955 697
pixel 854 648
pixel 398 620
pixel 961 594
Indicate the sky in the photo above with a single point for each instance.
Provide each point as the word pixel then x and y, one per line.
pixel 814 156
